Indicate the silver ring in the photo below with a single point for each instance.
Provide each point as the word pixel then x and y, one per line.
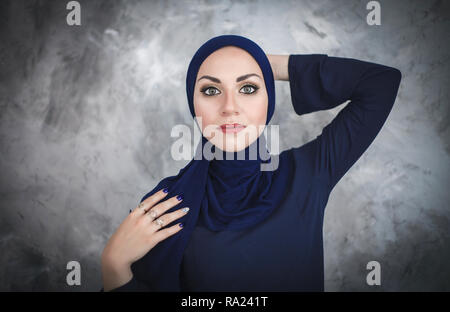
pixel 159 222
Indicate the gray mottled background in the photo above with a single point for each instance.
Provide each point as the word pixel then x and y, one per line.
pixel 86 113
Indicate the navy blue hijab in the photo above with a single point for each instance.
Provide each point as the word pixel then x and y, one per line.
pixel 223 193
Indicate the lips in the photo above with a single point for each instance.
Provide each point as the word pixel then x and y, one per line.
pixel 233 128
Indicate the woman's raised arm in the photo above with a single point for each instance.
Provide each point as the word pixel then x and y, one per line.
pixel 320 82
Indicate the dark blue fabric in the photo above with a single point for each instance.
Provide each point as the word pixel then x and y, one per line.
pixel 284 252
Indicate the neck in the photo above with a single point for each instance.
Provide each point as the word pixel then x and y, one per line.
pixel 249 157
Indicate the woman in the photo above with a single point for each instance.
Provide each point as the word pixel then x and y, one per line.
pixel 250 229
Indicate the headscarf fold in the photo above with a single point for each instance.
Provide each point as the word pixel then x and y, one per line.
pixel 223 194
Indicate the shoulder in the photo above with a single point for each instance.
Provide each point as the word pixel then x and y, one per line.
pixel 304 160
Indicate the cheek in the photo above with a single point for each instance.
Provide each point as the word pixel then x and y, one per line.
pixel 203 110
pixel 257 111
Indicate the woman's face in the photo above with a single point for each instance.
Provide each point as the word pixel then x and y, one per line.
pixel 227 92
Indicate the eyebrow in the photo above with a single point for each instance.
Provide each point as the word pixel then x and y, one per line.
pixel 237 79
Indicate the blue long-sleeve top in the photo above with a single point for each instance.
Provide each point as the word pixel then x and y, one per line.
pixel 285 251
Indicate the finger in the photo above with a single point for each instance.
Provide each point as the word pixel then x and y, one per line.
pixel 162 207
pixel 165 233
pixel 168 218
pixel 150 201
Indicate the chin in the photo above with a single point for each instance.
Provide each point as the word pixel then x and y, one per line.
pixel 233 144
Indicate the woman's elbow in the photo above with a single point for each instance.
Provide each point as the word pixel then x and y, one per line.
pixel 396 77
pixel 398 74
pixel 391 81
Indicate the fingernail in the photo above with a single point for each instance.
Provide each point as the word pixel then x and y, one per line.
pixel 179 197
pixel 182 224
pixel 166 190
pixel 185 209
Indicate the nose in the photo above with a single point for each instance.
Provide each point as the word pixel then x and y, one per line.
pixel 230 107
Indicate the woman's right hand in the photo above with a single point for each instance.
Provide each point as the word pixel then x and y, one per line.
pixel 140 232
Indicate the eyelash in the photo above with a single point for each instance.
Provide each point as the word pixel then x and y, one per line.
pixel 203 90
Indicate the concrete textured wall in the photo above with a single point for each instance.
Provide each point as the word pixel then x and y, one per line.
pixel 86 113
